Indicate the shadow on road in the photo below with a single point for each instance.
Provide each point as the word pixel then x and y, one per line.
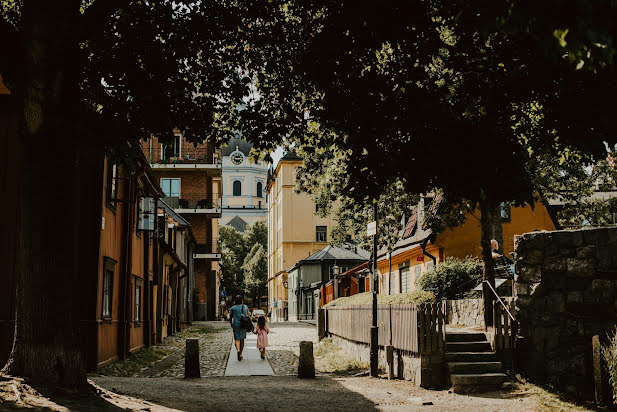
pixel 242 393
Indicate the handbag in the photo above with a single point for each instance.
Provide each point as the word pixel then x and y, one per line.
pixel 245 321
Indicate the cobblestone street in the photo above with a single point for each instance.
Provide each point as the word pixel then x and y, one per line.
pixel 214 343
pixel 284 340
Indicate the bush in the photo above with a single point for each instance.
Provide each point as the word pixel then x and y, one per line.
pixel 366 298
pixel 453 278
pixel 609 353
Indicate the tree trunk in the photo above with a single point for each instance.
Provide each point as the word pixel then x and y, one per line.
pixel 490 217
pixel 50 332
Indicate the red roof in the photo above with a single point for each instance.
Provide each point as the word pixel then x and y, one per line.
pixel 354 270
pixel 411 223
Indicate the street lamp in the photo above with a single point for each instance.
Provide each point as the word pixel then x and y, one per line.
pixel 335 270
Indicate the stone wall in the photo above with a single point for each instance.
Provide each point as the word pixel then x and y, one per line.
pixel 565 293
pixel 466 312
pixel 427 371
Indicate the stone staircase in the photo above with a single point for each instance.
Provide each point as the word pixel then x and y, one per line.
pixel 472 365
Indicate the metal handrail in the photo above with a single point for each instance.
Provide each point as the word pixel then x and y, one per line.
pixel 500 301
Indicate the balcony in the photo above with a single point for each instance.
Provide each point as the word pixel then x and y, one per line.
pixel 191 162
pixel 195 203
pixel 210 251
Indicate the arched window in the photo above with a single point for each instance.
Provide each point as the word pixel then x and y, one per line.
pixel 259 190
pixel 237 188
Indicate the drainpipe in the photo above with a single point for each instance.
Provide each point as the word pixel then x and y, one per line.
pixel 423 247
pixel 127 271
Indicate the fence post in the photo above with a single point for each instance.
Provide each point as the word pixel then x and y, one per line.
pixel 321 327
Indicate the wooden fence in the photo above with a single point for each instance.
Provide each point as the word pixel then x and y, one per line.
pixel 408 327
pixel 503 327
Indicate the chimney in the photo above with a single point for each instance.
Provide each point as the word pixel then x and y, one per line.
pixel 421 212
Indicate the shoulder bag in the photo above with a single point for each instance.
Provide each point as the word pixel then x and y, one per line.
pixel 245 321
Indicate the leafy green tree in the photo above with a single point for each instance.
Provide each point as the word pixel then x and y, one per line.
pixel 85 76
pixel 238 250
pixel 453 278
pixel 256 272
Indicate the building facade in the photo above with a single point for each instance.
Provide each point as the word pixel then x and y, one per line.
pixel 295 232
pixel 244 186
pixel 189 175
pixel 306 278
pixel 413 255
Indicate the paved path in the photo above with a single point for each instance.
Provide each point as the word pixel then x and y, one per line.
pixel 252 364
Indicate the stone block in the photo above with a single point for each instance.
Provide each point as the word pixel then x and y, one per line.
pixel 576 283
pixel 556 303
pixel 534 256
pixel 554 264
pixel 528 274
pixel 191 359
pixel 587 252
pixel 306 361
pixel 521 289
pixel 605 258
pixel 531 241
pixel 581 267
pixel 596 236
pixel 575 297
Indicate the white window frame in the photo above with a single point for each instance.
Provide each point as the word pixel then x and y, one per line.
pixel 179 147
pixel 172 178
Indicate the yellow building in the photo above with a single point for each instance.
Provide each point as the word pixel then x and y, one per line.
pixel 399 270
pixel 295 232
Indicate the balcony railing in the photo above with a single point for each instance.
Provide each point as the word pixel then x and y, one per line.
pixel 211 247
pixel 193 201
pixel 191 158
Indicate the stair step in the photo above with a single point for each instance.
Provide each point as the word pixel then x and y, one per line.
pixel 478 379
pixel 465 337
pixel 479 346
pixel 474 367
pixel 470 356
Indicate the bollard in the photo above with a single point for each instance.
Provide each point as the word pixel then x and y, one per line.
pixel 306 364
pixel 390 360
pixel 191 359
pixel 321 324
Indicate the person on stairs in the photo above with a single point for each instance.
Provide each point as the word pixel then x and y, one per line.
pixel 236 313
pixel 262 331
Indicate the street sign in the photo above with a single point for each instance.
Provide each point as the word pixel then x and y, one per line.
pixel 420 259
pixel 371 228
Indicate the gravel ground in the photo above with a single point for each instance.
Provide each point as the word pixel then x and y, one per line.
pixel 333 394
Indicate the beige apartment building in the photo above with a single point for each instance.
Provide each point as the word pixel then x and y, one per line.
pixel 295 232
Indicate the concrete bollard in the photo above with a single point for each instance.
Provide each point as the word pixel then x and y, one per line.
pixel 321 324
pixel 390 360
pixel 306 364
pixel 191 359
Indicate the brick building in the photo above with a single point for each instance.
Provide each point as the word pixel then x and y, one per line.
pixel 190 176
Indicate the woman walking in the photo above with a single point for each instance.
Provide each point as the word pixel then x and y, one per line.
pixel 235 318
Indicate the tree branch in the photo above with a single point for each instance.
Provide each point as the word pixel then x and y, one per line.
pixel 9 54
pixel 97 14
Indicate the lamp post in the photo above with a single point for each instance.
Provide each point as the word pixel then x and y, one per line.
pixel 374 329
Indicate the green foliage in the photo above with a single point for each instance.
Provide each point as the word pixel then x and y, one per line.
pixel 366 298
pixel 609 352
pixel 453 278
pixel 244 259
pixel 256 271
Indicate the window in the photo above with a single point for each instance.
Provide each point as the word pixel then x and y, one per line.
pixel 109 268
pixel 430 266
pixel 171 149
pixel 383 285
pixel 259 189
pixel 138 286
pixel 171 187
pixel 504 212
pixel 112 184
pixel 417 270
pixel 404 277
pixel 237 188
pixel 321 233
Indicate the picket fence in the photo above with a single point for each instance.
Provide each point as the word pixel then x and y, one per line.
pixel 408 327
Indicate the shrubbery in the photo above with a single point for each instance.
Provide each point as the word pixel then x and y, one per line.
pixel 453 278
pixel 609 352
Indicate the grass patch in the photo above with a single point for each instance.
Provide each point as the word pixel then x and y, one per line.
pixel 330 358
pixel 366 298
pixel 550 399
pixel 137 361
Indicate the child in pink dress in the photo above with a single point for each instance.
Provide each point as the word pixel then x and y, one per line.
pixel 262 331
